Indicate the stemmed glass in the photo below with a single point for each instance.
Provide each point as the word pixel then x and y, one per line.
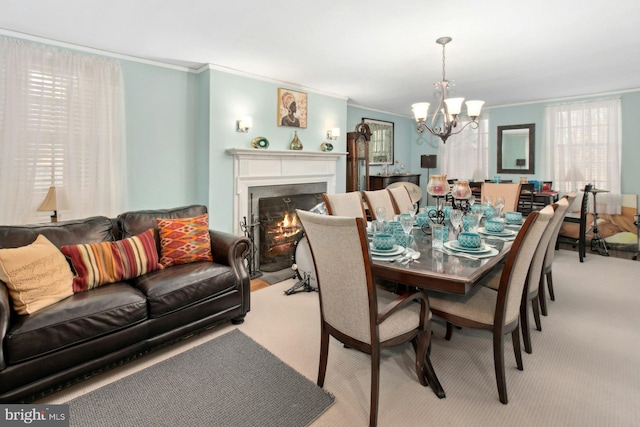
pixel 455 216
pixel 413 208
pixel 499 205
pixel 406 221
pixel 381 215
pixel 472 200
pixel 488 200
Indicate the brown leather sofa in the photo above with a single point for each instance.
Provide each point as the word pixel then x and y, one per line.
pixel 93 330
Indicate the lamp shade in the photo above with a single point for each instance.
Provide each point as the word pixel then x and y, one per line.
pixel 55 200
pixel 429 161
pixel 454 105
pixel 474 108
pixel 420 110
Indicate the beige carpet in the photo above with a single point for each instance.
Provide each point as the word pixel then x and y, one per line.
pixel 584 370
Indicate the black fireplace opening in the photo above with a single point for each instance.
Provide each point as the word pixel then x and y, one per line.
pixel 280 229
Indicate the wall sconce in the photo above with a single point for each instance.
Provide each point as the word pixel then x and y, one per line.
pixel 244 124
pixel 333 133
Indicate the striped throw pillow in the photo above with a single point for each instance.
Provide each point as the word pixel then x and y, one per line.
pixel 184 240
pixel 97 264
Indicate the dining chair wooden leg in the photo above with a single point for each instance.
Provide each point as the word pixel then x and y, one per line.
pixel 375 385
pixel 324 353
pixel 524 323
pixel 421 344
pixel 515 339
pixel 536 313
pixel 550 285
pixel 542 296
pixel 498 362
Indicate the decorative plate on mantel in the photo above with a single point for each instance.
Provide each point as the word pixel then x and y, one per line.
pixel 260 142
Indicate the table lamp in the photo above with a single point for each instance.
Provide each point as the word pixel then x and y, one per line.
pixel 52 202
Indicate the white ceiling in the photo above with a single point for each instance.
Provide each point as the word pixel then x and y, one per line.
pixel 380 54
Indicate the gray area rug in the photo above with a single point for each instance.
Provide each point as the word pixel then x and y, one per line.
pixel 228 381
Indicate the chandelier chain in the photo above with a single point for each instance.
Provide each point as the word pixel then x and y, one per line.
pixel 443 59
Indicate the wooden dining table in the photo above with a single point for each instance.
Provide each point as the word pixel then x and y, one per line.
pixel 438 271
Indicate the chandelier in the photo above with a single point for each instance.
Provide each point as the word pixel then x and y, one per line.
pixel 445 119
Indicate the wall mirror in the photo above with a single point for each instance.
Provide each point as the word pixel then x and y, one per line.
pixel 516 149
pixel 381 144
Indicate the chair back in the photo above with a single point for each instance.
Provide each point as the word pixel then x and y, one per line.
pixel 510 192
pixel 563 207
pixel 345 204
pixel 340 252
pixel 516 267
pixel 378 198
pixel 543 245
pixel 400 198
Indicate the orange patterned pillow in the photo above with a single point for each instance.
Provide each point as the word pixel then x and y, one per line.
pixel 184 240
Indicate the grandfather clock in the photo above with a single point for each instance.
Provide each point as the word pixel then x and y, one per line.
pixel 358 158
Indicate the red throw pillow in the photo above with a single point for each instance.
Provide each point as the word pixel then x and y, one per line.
pixel 546 187
pixel 97 264
pixel 184 240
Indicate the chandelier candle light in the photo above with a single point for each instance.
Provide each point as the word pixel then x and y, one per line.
pixel 446 116
pixel 438 187
pixel 461 193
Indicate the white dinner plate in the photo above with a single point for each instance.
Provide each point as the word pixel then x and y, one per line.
pixel 504 233
pixel 454 245
pixel 396 250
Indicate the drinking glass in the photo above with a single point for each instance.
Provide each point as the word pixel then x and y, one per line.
pixel 406 221
pixel 381 215
pixel 413 208
pixel 472 200
pixel 455 216
pixel 488 200
pixel 499 205
pixel 437 235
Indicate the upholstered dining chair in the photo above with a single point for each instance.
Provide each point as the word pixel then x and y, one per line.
pixel 401 199
pixel 345 204
pixel 563 207
pixel 510 192
pixel 532 286
pixel 484 308
pixel 354 311
pixel 378 198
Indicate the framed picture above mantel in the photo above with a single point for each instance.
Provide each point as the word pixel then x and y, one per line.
pixel 381 144
pixel 292 108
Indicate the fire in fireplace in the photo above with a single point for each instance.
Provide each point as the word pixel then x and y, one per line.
pixel 280 229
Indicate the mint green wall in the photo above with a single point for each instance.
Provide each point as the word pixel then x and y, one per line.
pixel 233 96
pixel 534 113
pixel 162 158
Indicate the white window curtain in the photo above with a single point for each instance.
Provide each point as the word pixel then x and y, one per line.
pixel 582 146
pixel 465 156
pixel 61 124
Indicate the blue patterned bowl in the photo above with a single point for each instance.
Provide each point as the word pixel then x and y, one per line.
pixel 469 240
pixel 513 217
pixel 383 241
pixel 494 226
pixel 469 221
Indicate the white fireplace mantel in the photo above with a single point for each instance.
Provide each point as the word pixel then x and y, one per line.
pixel 256 168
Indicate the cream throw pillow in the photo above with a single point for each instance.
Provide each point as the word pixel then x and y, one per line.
pixel 37 275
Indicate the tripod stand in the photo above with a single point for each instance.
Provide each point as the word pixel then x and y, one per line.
pixel 304 284
pixel 597 241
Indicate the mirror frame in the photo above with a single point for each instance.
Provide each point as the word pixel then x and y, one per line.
pixel 385 153
pixel 531 152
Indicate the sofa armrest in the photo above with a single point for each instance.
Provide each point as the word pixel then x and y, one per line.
pixel 5 317
pixel 231 250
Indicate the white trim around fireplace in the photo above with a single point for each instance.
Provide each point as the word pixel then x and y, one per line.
pixel 257 168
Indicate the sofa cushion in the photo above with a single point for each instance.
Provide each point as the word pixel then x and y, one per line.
pixel 37 275
pixel 79 318
pixel 88 230
pixel 97 264
pixel 136 222
pixel 179 286
pixel 184 240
